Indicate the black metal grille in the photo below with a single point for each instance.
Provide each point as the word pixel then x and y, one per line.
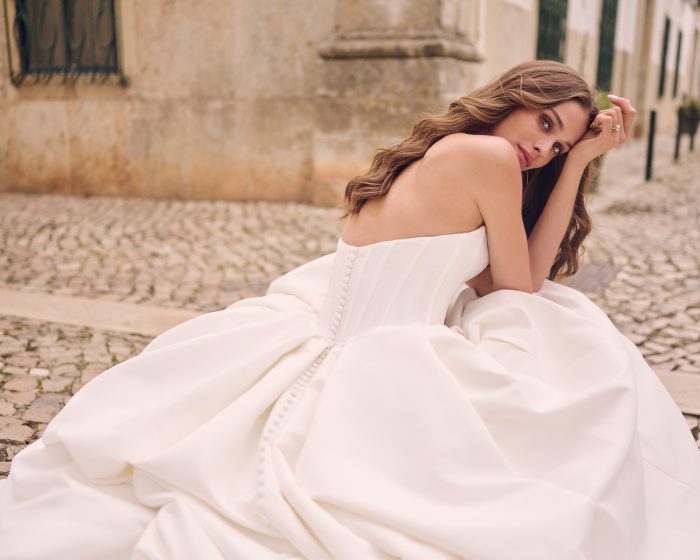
pixel 606 49
pixel 552 30
pixel 64 37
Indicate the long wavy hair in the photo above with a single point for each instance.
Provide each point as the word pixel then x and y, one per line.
pixel 537 84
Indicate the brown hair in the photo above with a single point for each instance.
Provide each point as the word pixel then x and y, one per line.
pixel 534 85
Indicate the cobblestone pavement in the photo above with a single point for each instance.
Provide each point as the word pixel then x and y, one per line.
pixel 183 254
pixel 205 255
pixel 42 365
pixel 652 237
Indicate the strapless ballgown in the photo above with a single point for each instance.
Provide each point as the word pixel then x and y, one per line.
pixel 366 408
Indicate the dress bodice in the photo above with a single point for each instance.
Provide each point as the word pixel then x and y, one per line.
pixel 400 281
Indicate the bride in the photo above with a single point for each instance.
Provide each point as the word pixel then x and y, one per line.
pixel 366 407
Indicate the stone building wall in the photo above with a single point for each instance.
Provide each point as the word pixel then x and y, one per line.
pixel 220 103
pixel 288 99
pixel 275 99
pixel 682 16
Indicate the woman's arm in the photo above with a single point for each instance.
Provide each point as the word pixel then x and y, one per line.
pixel 545 238
pixel 483 173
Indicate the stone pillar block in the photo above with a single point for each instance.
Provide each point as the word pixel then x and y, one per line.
pixel 387 63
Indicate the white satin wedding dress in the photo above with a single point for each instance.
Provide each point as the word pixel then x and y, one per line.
pixel 339 416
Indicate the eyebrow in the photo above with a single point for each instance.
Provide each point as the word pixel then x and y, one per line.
pixel 561 124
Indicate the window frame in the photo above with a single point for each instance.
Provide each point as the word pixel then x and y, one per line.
pixel 606 44
pixel 25 55
pixel 664 56
pixel 551 28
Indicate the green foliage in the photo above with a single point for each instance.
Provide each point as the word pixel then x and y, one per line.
pixel 602 101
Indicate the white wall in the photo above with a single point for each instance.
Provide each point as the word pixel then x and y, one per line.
pixel 584 16
pixel 625 25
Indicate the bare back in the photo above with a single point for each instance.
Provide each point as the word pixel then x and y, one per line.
pixel 462 182
pixel 417 205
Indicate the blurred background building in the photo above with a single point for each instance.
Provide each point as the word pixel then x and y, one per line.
pixel 288 99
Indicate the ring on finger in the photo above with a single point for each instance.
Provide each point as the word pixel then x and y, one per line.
pixel 616 128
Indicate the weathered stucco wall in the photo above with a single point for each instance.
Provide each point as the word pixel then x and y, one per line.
pixel 220 103
pixel 232 99
pixel 288 99
pixel 387 64
pixel 510 35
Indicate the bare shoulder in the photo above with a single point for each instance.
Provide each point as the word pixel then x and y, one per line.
pixel 474 161
pixel 473 150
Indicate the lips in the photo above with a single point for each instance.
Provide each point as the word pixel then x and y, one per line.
pixel 526 156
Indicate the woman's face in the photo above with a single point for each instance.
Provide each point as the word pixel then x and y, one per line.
pixel 538 135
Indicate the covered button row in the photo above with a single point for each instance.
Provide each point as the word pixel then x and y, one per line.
pixel 342 296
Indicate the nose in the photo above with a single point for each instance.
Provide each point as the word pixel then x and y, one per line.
pixel 543 146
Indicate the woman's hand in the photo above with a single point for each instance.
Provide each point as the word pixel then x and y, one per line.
pixel 608 130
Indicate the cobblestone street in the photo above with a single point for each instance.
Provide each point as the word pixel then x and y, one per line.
pixel 642 266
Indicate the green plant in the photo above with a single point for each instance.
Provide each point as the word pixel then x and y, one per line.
pixel 602 101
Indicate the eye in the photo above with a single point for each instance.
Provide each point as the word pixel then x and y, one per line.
pixel 546 122
pixel 557 148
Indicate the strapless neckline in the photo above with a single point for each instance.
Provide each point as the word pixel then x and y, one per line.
pixel 397 282
pixel 341 241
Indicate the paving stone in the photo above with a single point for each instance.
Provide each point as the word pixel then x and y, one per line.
pixel 6 408
pixel 20 383
pixel 56 384
pixel 88 376
pixel 9 421
pixel 9 348
pixel 39 372
pixel 12 450
pixel 14 370
pixel 65 369
pixel 655 347
pixel 40 413
pixel 16 433
pixel 22 361
pixel 19 398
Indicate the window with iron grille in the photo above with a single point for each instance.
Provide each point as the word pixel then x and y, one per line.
pixel 551 32
pixel 63 37
pixel 606 50
pixel 664 55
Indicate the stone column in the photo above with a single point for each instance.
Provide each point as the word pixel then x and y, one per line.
pixel 386 64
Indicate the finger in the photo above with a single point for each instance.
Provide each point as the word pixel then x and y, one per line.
pixel 622 102
pixel 616 114
pixel 600 119
pixel 618 121
pixel 628 111
pixel 606 120
pixel 610 121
